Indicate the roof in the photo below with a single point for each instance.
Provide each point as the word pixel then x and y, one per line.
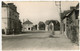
pixel 27 22
pixel 77 7
pixel 4 4
pixel 65 13
pixel 71 11
pixel 10 5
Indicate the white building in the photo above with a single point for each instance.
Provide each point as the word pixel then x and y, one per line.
pixel 27 25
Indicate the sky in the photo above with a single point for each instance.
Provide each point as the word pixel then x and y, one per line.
pixel 40 10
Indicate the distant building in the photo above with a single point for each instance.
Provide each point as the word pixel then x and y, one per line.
pixel 10 19
pixel 27 25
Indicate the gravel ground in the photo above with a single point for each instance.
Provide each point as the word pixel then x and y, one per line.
pixel 37 41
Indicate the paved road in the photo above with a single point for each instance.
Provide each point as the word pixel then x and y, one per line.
pixel 37 41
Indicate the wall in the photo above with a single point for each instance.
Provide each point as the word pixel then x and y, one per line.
pixel 26 26
pixel 4 18
pixel 10 19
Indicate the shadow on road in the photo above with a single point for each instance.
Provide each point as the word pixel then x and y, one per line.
pixel 52 36
pixel 42 37
pixel 40 31
pixel 28 37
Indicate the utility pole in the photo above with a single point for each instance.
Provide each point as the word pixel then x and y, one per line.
pixel 58 3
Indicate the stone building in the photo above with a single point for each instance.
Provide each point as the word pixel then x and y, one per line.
pixel 10 19
pixel 71 24
pixel 27 26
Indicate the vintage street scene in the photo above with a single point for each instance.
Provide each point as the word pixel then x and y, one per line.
pixel 40 25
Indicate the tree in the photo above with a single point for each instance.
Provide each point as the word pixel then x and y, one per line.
pixel 55 22
pixel 47 22
pixel 41 25
pixel 35 27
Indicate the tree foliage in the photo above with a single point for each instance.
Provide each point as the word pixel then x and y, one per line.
pixel 35 27
pixel 41 25
pixel 55 22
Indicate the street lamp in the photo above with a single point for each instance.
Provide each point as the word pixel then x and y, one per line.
pixel 58 4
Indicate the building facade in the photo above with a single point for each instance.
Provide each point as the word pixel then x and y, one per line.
pixel 27 26
pixel 71 24
pixel 10 19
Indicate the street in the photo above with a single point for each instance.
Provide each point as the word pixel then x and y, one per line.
pixel 37 41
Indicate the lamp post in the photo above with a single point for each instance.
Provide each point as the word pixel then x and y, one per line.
pixel 58 4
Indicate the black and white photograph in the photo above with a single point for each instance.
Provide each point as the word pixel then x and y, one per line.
pixel 40 25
